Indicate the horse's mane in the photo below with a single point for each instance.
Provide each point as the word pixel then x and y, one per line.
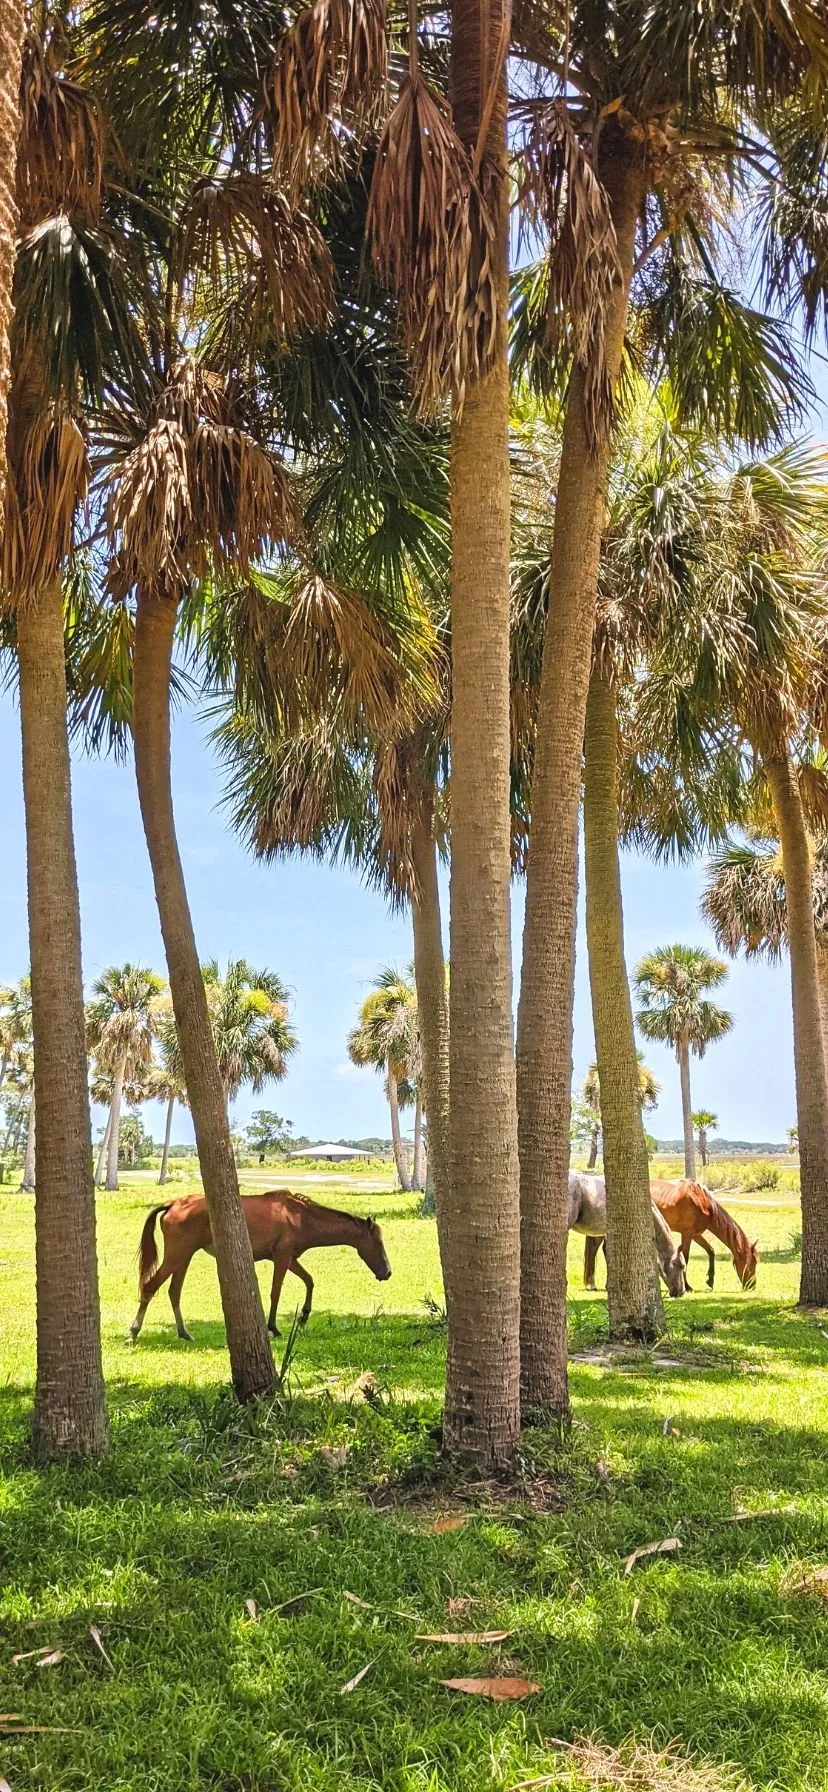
pixel 339 1213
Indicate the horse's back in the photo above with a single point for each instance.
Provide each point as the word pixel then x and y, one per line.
pixel 587 1203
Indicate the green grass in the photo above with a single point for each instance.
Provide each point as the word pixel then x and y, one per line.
pixel 201 1507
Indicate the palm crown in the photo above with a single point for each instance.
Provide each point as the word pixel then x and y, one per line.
pixel 670 984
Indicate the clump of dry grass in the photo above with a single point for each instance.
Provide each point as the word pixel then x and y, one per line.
pixel 635 1767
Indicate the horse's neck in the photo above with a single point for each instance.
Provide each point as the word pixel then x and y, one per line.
pixel 332 1227
pixel 723 1227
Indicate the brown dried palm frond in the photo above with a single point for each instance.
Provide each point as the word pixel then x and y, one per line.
pixel 197 490
pixel 242 228
pixel 61 149
pixel 334 640
pixel 330 71
pixel 431 231
pixel 560 188
pixel 48 477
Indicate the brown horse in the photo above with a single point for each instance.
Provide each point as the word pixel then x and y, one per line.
pixel 691 1210
pixel 281 1227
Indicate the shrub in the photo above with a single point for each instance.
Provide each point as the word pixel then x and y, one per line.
pixel 760 1175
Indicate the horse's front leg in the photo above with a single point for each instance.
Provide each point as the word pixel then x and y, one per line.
pixel 711 1261
pixel 298 1269
pixel 686 1241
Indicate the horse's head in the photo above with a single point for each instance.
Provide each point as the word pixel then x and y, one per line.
pixel 745 1258
pixel 372 1250
pixel 675 1274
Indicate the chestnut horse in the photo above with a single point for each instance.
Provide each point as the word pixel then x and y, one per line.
pixel 281 1227
pixel 691 1210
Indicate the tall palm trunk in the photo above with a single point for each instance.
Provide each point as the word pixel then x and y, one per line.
pixel 70 1413
pixel 593 1151
pixel 809 1053
pixel 12 24
pixel 247 1341
pixel 114 1140
pixel 432 1008
pixel 683 1055
pixel 544 1044
pixel 481 1232
pixel 418 1177
pixel 633 1296
pixel 30 1160
pixel 165 1155
pixel 400 1156
pixel 100 1167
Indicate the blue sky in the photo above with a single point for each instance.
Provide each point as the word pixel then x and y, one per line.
pixel 326 936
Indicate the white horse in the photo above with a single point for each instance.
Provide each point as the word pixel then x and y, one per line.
pixel 588 1214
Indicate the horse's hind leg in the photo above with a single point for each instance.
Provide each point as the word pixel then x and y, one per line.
pixel 591 1246
pixel 298 1269
pixel 281 1265
pixel 150 1288
pixel 176 1285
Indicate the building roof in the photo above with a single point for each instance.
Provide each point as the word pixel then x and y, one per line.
pixel 334 1151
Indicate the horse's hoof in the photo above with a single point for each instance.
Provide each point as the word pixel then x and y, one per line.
pixel 303 1318
pixel 274 1331
pixel 186 1337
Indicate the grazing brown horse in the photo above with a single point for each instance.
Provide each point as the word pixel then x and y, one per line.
pixel 691 1210
pixel 281 1227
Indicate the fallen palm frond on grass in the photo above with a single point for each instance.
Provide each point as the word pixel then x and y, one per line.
pixel 635 1767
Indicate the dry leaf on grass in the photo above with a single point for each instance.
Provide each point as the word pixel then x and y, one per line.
pixel 497 1687
pixel 351 1684
pixel 635 1767
pixel 634 1613
pixel 337 1456
pixel 29 1654
pixel 464 1636
pixel 252 1610
pixel 761 1512
pixel 668 1429
pixel 11 1717
pixel 4 1785
pixel 366 1606
pixel 455 1521
pixel 50 1661
pixel 290 1607
pixel 96 1638
pixel 815 1580
pixel 665 1548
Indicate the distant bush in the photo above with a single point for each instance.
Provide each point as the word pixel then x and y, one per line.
pixel 795 1241
pixel 722 1176
pixel 760 1175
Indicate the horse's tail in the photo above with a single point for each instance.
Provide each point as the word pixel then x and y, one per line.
pixel 148 1249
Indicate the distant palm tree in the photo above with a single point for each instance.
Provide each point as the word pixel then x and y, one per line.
pixel 648 1089
pixel 120 1033
pixel 17 1044
pixel 166 1079
pixel 253 1035
pixel 387 1037
pixel 704 1122
pixel 670 984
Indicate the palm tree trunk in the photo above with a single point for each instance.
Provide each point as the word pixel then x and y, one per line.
pixel 683 1054
pixel 593 1151
pixel 12 25
pixel 432 1006
pixel 482 1244
pixel 544 1045
pixel 396 1137
pixel 165 1155
pixel 29 1161
pixel 633 1297
pixel 100 1166
pixel 70 1412
pixel 114 1140
pixel 419 1174
pixel 247 1340
pixel 822 987
pixel 4 1071
pixel 809 1053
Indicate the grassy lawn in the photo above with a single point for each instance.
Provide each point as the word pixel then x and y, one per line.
pixel 202 1507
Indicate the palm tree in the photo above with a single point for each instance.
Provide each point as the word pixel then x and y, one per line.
pixel 704 1122
pixel 166 1079
pixel 17 1041
pixel 249 1017
pixel 744 902
pixel 648 1093
pixel 61 341
pixel 670 985
pixel 12 27
pixel 121 1030
pixel 387 1038
pixel 626 219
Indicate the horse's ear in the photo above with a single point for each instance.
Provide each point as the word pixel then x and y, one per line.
pixel 755 1245
pixel 371 1223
